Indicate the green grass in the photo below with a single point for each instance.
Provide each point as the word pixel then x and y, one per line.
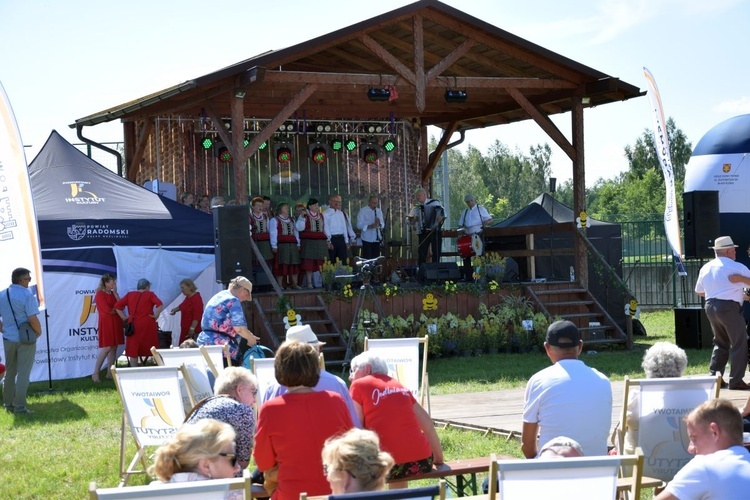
pixel 74 436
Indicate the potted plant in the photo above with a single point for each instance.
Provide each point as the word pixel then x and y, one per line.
pixel 329 272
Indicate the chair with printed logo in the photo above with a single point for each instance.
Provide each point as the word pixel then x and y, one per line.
pixel 402 357
pixel 652 418
pixel 196 383
pixel 152 411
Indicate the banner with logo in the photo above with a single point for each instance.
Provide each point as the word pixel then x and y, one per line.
pixel 19 236
pixel 661 140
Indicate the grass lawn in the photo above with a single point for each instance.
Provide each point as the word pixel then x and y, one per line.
pixel 74 436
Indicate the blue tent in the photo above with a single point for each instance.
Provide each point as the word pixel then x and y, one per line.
pixel 82 205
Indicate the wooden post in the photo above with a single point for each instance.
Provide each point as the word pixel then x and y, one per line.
pixel 239 160
pixel 579 190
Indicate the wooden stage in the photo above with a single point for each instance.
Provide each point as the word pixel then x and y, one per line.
pixel 500 412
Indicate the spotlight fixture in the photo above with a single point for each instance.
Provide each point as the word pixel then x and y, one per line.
pixel 246 142
pixel 336 144
pixel 283 154
pixel 323 127
pixel 263 145
pixel 224 155
pixel 370 151
pixel 286 127
pixel 370 156
pixel 240 93
pixel 389 145
pixel 350 145
pixel 455 95
pixel 318 155
pixel 207 143
pixel 375 94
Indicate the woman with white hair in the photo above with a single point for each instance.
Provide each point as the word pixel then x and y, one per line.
pixel 354 462
pixel 143 309
pixel 388 408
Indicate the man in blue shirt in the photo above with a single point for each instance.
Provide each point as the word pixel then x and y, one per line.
pixel 18 306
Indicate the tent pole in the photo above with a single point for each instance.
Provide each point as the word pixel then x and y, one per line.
pixel 49 354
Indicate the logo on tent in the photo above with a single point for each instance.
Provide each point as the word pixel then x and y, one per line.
pixel 80 196
pixel 76 232
pixel 727 167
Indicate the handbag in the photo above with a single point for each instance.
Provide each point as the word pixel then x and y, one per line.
pixel 26 334
pixel 129 326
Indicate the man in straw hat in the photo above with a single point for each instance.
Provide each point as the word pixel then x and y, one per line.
pixel 721 282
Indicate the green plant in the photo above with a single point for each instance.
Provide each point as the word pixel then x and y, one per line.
pixel 283 304
pixel 489 266
pixel 329 271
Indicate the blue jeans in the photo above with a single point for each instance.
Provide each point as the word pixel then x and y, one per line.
pixel 19 358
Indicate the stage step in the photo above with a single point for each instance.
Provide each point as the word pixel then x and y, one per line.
pixel 569 303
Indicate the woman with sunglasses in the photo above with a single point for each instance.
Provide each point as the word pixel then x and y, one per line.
pixel 235 390
pixel 353 462
pixel 197 452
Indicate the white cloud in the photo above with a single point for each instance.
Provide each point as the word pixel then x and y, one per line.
pixel 739 106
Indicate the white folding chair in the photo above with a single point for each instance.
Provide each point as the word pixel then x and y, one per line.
pixel 402 356
pixel 421 493
pixel 214 489
pixel 265 373
pixel 560 478
pixel 215 356
pixel 660 406
pixel 152 410
pixel 197 385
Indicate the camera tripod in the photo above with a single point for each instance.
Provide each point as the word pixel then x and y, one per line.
pixel 365 291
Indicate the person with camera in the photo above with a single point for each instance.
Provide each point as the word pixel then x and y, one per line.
pixel 20 328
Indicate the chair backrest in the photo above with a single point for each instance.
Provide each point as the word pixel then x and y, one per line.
pixel 197 384
pixel 237 488
pixel 560 478
pixel 402 357
pixel 152 402
pixel 264 371
pixel 425 493
pixel 661 405
pixel 215 356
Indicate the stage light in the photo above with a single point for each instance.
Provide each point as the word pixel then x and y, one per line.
pixel 207 143
pixel 374 94
pixel 263 145
pixel 350 145
pixel 246 142
pixel 283 154
pixel 337 144
pixel 455 95
pixel 370 156
pixel 319 155
pixel 389 145
pixel 224 155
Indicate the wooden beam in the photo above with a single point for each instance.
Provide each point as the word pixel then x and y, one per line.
pixel 419 63
pixel 140 148
pixel 544 122
pixel 272 126
pixel 448 60
pixel 239 156
pixel 224 135
pixel 579 189
pixel 434 157
pixel 389 58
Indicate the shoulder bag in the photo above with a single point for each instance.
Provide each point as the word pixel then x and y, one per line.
pixel 26 334
pixel 129 326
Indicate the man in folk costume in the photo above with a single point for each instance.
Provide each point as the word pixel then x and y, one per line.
pixel 285 244
pixel 259 229
pixel 314 247
pixel 338 228
pixel 473 219
pixel 428 215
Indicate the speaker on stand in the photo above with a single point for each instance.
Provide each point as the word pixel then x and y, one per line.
pixel 232 252
pixel 701 214
pixel 438 271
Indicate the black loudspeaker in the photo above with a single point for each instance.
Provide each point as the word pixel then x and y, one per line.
pixel 692 329
pixel 511 274
pixel 442 271
pixel 232 249
pixel 701 212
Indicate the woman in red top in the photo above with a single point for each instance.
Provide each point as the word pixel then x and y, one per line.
pixel 141 313
pixel 191 311
pixel 388 408
pixel 293 428
pixel 110 324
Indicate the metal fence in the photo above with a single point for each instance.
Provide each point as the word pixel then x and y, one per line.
pixel 648 267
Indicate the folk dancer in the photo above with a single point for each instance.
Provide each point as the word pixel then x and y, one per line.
pixel 313 244
pixel 259 229
pixel 285 244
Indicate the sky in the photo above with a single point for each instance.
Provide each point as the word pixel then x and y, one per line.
pixel 65 60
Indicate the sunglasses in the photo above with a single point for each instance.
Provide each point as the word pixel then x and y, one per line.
pixel 231 456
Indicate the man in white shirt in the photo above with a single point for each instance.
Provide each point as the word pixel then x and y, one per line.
pixel 721 467
pixel 721 281
pixel 371 224
pixel 338 229
pixel 472 220
pixel 568 398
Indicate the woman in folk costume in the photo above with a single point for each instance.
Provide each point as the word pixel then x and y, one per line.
pixel 314 247
pixel 285 245
pixel 259 228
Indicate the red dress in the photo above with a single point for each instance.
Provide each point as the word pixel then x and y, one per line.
pixel 110 323
pixel 140 308
pixel 291 432
pixel 387 408
pixel 191 310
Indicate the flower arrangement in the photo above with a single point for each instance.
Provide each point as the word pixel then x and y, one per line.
pixel 389 290
pixel 329 271
pixel 489 266
pixel 450 287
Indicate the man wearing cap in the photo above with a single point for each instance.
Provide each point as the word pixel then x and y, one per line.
pixel 568 398
pixel 327 381
pixel 472 220
pixel 721 282
pixel 223 320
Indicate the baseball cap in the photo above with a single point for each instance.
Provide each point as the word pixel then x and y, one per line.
pixel 243 282
pixel 303 333
pixel 563 334
pixel 468 197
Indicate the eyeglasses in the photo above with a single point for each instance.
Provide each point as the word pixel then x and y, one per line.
pixel 325 471
pixel 231 456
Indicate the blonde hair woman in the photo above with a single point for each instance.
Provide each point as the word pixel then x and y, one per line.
pixel 197 452
pixel 353 462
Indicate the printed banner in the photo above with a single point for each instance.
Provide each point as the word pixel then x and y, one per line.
pixel 19 235
pixel 661 140
pixel 402 357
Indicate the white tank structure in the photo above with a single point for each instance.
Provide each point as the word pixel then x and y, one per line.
pixel 721 162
